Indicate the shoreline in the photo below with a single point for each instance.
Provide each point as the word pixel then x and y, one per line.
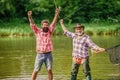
pixel 60 34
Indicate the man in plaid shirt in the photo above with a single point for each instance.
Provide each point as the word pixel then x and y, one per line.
pixel 44 46
pixel 81 42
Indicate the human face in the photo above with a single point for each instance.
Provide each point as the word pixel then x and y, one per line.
pixel 45 27
pixel 79 31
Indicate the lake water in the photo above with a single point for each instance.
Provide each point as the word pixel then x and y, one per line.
pixel 17 59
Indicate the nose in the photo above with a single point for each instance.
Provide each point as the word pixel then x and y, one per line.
pixel 45 25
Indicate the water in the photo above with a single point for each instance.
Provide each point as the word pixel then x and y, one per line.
pixel 17 59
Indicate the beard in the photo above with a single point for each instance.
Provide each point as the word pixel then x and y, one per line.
pixel 80 33
pixel 45 29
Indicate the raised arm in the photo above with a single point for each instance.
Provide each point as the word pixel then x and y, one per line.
pixel 32 23
pixel 62 25
pixel 57 11
pixel 30 17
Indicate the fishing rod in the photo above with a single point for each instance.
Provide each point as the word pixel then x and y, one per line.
pixel 57 7
pixel 72 13
pixel 69 14
pixel 55 3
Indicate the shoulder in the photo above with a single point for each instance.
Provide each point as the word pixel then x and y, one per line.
pixel 69 32
pixel 85 35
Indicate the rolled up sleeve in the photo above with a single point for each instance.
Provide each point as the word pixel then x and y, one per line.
pixel 92 45
pixel 69 34
pixel 34 28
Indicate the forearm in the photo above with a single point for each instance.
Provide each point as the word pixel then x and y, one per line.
pixel 57 11
pixel 63 27
pixel 55 18
pixel 98 50
pixel 31 20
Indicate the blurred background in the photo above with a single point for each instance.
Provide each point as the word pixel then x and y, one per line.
pixel 13 15
pixel 101 19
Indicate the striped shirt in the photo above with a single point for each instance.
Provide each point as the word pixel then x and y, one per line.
pixel 81 44
pixel 43 40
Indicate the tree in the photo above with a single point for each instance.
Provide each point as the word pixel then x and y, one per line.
pixel 71 10
pixel 6 8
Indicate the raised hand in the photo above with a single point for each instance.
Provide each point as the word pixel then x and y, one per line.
pixel 61 21
pixel 30 17
pixel 98 50
pixel 57 11
pixel 29 13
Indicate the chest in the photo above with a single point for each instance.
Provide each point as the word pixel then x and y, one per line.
pixel 79 40
pixel 42 36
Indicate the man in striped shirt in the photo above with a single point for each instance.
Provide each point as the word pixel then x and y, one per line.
pixel 81 43
pixel 44 46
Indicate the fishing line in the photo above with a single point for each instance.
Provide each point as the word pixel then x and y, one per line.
pixel 114 52
pixel 72 13
pixel 68 16
pixel 57 7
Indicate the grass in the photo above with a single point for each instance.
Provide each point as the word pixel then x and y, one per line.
pixel 102 28
pixel 18 27
pixel 15 28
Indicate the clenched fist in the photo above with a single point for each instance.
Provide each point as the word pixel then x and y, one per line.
pixel 29 13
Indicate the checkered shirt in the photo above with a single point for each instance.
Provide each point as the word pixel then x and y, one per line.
pixel 43 40
pixel 81 44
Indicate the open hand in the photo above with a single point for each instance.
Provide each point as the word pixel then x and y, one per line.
pixel 98 50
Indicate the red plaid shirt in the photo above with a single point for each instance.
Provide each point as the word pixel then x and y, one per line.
pixel 43 40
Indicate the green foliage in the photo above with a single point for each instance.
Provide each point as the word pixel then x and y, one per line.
pixel 18 27
pixel 71 10
pixel 6 8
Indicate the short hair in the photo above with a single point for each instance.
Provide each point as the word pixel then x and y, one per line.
pixel 45 21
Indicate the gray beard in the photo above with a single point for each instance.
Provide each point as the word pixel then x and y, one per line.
pixel 80 33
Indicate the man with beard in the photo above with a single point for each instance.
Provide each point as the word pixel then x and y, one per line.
pixel 80 56
pixel 44 46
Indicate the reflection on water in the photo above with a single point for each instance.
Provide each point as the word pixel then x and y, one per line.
pixel 17 59
pixel 16 56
